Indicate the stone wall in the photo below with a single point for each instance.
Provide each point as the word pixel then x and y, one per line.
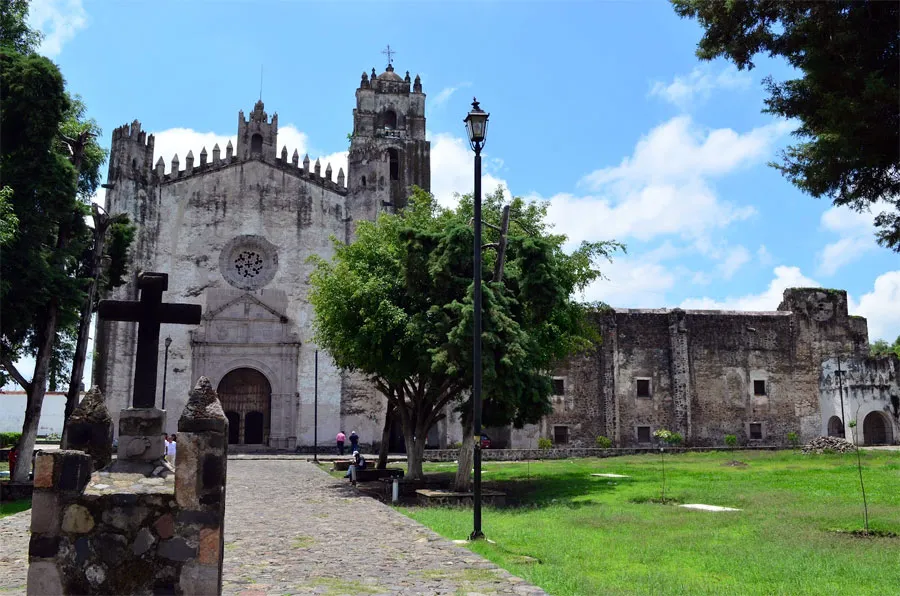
pixel 709 373
pixel 865 387
pixel 444 455
pixel 118 533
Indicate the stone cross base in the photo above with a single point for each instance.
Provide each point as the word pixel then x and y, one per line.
pixel 142 444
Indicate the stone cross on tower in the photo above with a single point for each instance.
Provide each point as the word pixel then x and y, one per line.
pixel 389 53
pixel 149 313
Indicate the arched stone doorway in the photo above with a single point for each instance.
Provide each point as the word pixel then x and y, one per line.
pixel 246 397
pixel 835 427
pixel 876 430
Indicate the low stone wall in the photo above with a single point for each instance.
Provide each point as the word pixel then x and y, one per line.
pixel 532 454
pixel 107 532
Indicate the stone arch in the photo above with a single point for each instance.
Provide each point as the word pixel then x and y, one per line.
pixel 246 394
pixel 876 429
pixel 394 159
pixel 389 119
pixel 835 427
pixel 256 144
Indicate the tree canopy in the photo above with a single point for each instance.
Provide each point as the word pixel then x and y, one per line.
pixel 846 97
pixel 396 305
pixel 882 348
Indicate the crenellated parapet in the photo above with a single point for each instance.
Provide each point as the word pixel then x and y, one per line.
pixel 291 166
pixel 131 154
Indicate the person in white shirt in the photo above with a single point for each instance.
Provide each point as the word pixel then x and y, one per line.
pixel 171 448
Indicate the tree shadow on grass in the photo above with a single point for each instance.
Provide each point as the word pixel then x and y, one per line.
pixel 556 490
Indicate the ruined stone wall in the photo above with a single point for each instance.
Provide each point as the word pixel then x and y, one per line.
pixel 702 370
pixel 865 386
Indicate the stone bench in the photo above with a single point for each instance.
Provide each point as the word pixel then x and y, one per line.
pixel 372 474
pixel 433 498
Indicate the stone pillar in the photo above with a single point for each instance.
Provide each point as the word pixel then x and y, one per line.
pixel 681 373
pixel 142 446
pixel 200 472
pixel 59 479
pixel 90 429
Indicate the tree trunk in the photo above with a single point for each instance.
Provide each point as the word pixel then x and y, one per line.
pixel 466 461
pixel 101 223
pixel 385 438
pixel 415 452
pixel 36 392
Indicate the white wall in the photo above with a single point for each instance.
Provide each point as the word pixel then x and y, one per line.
pixel 12 413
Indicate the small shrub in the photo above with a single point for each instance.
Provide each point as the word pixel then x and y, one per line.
pixel 9 439
pixel 731 441
pixel 794 439
pixel 456 445
pixel 545 443
pixel 604 442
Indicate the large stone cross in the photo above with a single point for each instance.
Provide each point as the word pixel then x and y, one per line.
pixel 149 313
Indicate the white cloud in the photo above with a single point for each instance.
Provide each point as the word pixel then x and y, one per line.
pixel 58 20
pixel 444 94
pixel 663 187
pixel 855 238
pixel 736 258
pixel 763 256
pixel 881 307
pixel 785 277
pixel 635 282
pixel 695 88
pixel 452 169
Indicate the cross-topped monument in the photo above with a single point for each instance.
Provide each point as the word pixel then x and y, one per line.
pixel 149 313
pixel 390 54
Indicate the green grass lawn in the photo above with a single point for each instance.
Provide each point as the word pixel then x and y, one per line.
pixel 11 507
pixel 591 537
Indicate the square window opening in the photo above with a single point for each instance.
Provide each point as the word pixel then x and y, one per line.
pixel 643 434
pixel 643 387
pixel 759 387
pixel 560 435
pixel 559 387
pixel 756 433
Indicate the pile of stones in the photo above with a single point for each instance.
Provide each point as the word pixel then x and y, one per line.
pixel 822 444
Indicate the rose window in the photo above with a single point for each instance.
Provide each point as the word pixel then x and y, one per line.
pixel 248 262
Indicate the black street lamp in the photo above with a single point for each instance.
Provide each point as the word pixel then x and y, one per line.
pixel 316 411
pixel 476 126
pixel 166 371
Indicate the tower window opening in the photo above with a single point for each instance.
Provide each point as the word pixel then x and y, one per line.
pixel 363 181
pixel 390 119
pixel 256 143
pixel 394 157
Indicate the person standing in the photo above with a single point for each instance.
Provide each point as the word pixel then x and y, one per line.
pixel 341 437
pixel 171 449
pixel 354 441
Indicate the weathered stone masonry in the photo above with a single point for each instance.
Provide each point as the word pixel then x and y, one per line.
pixel 757 375
pixel 116 533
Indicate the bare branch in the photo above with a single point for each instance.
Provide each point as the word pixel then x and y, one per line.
pixel 15 374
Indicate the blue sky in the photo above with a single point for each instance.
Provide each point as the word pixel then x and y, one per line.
pixel 600 108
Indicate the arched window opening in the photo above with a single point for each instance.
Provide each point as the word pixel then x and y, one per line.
pixel 256 143
pixel 835 427
pixel 394 157
pixel 134 163
pixel 362 181
pixel 390 119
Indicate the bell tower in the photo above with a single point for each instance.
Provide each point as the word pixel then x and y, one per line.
pixel 388 150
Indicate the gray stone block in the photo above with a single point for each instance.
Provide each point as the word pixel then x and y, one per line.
pixel 43 579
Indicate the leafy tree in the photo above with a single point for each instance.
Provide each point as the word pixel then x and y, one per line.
pixel 396 306
pixel 9 223
pixel 883 348
pixel 845 97
pixel 50 162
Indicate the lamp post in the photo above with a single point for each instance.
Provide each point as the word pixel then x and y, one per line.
pixel 165 371
pixel 476 127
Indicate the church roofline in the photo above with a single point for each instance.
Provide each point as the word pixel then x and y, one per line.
pixel 296 170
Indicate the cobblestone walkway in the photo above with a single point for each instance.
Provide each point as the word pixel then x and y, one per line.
pixel 292 529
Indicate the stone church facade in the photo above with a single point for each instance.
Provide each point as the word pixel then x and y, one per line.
pixel 233 230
